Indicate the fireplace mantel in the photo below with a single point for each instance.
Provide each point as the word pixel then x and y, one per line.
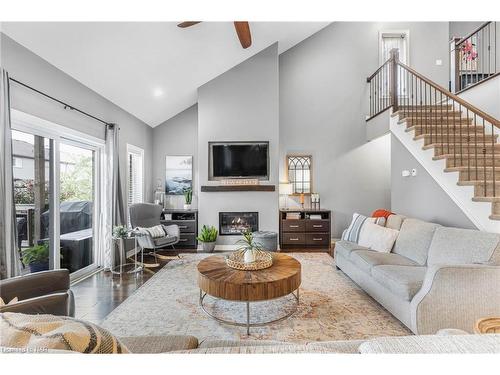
pixel 222 188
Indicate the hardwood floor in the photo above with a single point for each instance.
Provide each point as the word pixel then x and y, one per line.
pixel 99 294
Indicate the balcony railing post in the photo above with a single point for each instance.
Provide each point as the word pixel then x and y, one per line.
pixel 394 54
pixel 455 65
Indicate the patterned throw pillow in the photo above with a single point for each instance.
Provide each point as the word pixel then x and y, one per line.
pixel 352 232
pixel 43 332
pixel 156 232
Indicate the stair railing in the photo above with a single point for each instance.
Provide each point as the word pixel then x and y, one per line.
pixel 458 131
pixel 380 90
pixel 473 58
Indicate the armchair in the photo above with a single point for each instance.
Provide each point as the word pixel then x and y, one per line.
pixel 146 215
pixel 46 292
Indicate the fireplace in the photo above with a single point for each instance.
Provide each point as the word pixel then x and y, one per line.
pixel 235 223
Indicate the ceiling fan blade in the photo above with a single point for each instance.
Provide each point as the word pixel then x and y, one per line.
pixel 188 24
pixel 243 31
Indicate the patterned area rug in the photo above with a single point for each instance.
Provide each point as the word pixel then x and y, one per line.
pixel 331 307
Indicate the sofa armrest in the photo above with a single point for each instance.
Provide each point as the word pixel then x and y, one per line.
pixel 172 230
pixel 455 296
pixel 35 284
pixel 54 304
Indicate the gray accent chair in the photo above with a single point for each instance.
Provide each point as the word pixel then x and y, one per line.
pixel 45 292
pixel 435 277
pixel 146 215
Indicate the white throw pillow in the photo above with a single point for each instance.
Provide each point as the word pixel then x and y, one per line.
pixel 377 238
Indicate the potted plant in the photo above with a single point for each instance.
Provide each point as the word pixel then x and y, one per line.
pixel 207 237
pixel 249 246
pixel 188 197
pixel 120 233
pixel 37 257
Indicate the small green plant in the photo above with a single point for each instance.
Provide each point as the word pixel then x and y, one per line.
pixel 208 234
pixel 120 231
pixel 248 243
pixel 188 195
pixel 36 254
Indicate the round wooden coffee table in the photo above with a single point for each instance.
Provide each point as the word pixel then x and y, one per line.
pixel 218 280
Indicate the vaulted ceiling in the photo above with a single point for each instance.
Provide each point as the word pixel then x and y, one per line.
pixel 150 69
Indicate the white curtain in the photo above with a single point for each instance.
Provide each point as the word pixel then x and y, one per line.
pixel 9 252
pixel 111 214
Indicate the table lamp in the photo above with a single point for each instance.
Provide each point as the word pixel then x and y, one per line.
pixel 285 189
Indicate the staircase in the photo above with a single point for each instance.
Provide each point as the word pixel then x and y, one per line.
pixel 467 148
pixel 460 138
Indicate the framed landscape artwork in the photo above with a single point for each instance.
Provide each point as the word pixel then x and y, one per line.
pixel 179 174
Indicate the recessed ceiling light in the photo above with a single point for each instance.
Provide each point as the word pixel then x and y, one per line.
pixel 157 92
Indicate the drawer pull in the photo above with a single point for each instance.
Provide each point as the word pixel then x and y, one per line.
pixel 183 239
pixel 293 239
pixel 183 226
pixel 317 239
pixel 317 225
pixel 294 226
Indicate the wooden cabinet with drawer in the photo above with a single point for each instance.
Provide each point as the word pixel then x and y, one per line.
pixel 187 221
pixel 310 230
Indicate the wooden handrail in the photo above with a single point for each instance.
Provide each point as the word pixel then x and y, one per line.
pixel 472 33
pixel 378 70
pixel 450 95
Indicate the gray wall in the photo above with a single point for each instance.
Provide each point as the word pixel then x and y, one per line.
pixel 421 196
pixel 463 28
pixel 241 105
pixel 29 68
pixel 176 136
pixel 323 104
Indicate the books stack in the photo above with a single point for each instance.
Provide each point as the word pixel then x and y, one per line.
pixel 315 217
pixel 293 215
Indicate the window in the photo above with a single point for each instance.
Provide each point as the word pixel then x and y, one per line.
pixel 135 175
pixel 17 163
pixel 395 39
pixel 299 173
pixel 398 39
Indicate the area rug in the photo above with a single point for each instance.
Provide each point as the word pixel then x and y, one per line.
pixel 331 307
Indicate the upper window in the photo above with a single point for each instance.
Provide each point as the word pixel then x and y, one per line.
pixel 135 175
pixel 299 173
pixel 17 162
pixel 389 40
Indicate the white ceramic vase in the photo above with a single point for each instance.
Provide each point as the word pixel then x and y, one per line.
pixel 187 206
pixel 249 256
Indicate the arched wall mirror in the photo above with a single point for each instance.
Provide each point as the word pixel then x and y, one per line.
pixel 300 173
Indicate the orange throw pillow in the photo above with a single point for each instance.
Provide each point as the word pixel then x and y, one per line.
pixel 382 213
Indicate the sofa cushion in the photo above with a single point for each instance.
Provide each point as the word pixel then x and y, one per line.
pixel 345 248
pixel 432 344
pixel 366 259
pixel 158 344
pixel 404 281
pixel 233 343
pixel 414 239
pixel 462 246
pixel 395 221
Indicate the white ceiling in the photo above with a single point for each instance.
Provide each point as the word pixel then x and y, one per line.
pixel 129 62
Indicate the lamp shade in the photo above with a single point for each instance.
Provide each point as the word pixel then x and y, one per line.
pixel 286 188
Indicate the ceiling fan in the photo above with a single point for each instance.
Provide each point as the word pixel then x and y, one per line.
pixel 242 29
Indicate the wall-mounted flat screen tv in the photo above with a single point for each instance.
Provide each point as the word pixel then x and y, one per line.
pixel 238 160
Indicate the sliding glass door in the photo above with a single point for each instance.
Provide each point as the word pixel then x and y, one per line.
pixel 57 187
pixel 77 169
pixel 33 174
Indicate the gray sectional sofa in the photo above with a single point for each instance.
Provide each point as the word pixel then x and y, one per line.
pixel 435 277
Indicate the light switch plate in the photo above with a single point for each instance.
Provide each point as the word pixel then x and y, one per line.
pixel 439 62
pixel 405 173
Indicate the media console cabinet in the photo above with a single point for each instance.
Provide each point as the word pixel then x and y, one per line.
pixel 187 220
pixel 305 233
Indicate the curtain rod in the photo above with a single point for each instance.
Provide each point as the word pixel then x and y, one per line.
pixel 66 105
